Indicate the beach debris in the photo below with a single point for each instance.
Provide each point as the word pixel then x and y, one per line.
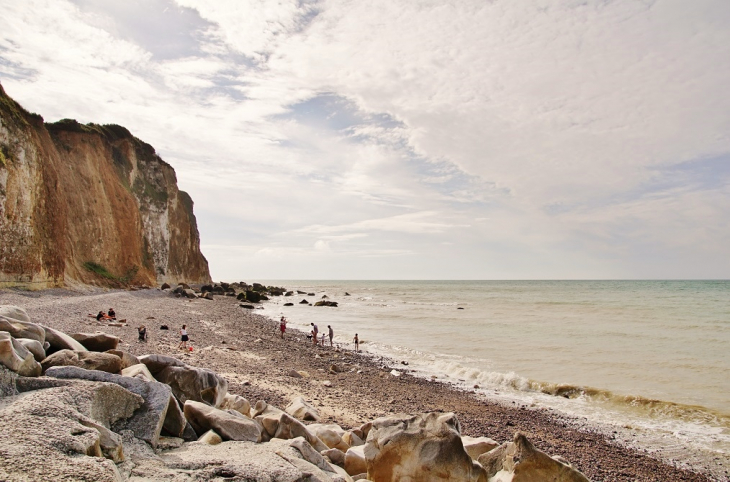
pixel 326 303
pixel 327 383
pixel 288 304
pixel 293 373
pixel 304 302
pixel 164 327
pixel 395 373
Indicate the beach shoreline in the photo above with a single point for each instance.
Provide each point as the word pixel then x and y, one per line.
pixel 245 347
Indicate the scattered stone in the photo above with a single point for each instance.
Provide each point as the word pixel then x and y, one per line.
pixel 476 446
pixel 210 438
pixel 61 341
pixel 35 347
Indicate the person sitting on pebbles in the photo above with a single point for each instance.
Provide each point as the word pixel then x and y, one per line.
pixel 142 330
pixel 111 314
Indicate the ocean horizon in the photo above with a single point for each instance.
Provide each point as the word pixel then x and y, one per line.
pixel 649 356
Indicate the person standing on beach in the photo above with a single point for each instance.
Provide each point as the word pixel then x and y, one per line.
pixel 282 326
pixel 315 331
pixel 331 333
pixel 357 343
pixel 183 338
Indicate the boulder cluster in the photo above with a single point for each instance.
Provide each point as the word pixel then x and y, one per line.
pixel 77 408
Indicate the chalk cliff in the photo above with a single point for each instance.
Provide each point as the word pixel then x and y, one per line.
pixel 89 204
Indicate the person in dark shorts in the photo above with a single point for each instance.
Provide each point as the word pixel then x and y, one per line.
pixel 331 334
pixel 357 342
pixel 183 338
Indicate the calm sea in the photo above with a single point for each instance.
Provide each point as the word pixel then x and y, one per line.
pixel 652 357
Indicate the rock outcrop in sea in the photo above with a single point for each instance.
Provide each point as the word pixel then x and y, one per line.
pixel 89 204
pixel 111 416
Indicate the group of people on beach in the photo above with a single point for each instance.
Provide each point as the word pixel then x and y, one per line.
pixel 109 315
pixel 314 334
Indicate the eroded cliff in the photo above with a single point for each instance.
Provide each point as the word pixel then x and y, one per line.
pixel 89 204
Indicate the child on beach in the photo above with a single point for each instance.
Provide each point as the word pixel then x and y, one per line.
pixel 183 338
pixel 142 330
pixel 282 326
pixel 357 343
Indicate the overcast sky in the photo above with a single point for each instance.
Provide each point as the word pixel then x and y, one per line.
pixel 405 139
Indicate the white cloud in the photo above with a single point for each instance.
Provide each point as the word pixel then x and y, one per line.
pixel 535 137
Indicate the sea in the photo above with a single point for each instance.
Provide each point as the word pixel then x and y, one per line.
pixel 645 361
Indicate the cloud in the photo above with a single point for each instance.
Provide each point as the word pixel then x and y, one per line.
pixel 501 139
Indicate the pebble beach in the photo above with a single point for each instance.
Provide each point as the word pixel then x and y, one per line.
pixel 348 388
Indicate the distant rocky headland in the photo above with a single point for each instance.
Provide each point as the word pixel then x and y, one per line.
pixel 89 204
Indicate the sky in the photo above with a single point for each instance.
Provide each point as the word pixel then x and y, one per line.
pixel 411 139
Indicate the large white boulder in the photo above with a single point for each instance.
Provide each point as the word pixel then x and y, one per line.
pixel 425 447
pixel 97 341
pixel 520 461
pixel 187 382
pixel 15 356
pixel 22 329
pixel 230 425
pixel 148 420
pixel 61 341
pixel 88 360
pixel 57 433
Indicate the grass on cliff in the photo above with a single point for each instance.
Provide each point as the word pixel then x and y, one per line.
pixel 104 273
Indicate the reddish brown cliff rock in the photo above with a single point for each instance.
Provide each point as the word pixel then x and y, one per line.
pixel 89 204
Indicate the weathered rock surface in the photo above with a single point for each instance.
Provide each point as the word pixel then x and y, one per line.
pixel 88 360
pixel 355 462
pixel 22 329
pixel 54 435
pixel 520 461
pixel 97 341
pixel 424 447
pixel 44 237
pixel 14 313
pixel 140 371
pixel 128 359
pixel 148 420
pixel 237 403
pixel 331 434
pixel 210 438
pixel 35 347
pixel 301 410
pixel 15 356
pixel 187 382
pixel 61 341
pixel 476 446
pixel 229 426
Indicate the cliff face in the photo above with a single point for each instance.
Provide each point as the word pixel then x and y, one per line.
pixel 89 204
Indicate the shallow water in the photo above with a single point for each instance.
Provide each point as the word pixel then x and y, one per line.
pixel 649 355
